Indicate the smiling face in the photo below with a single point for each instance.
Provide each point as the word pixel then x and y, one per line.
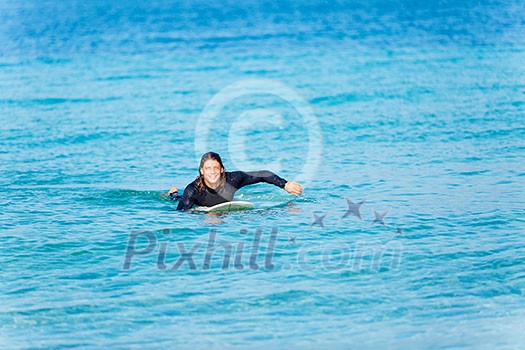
pixel 212 171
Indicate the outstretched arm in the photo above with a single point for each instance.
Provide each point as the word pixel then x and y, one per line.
pixel 241 179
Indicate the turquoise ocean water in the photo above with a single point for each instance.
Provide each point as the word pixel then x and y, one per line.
pixel 415 107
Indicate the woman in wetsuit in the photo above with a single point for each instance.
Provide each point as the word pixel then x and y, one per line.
pixel 213 185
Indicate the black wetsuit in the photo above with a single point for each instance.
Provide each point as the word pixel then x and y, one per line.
pixel 234 180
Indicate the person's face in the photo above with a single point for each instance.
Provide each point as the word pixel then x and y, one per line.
pixel 212 172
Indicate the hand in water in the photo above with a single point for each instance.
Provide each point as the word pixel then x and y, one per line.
pixel 293 188
pixel 172 190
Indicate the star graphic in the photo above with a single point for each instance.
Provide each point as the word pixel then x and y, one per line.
pixel 291 239
pixel 399 231
pixel 379 218
pixel 353 208
pixel 318 219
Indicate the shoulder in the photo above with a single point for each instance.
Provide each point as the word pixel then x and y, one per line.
pixel 191 188
pixel 233 174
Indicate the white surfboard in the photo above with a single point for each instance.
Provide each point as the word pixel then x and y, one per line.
pixel 227 207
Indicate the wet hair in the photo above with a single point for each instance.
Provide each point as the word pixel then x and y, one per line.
pixel 200 177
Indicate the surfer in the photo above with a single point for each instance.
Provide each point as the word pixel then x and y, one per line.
pixel 214 185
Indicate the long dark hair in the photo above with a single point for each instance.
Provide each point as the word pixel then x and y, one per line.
pixel 200 177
